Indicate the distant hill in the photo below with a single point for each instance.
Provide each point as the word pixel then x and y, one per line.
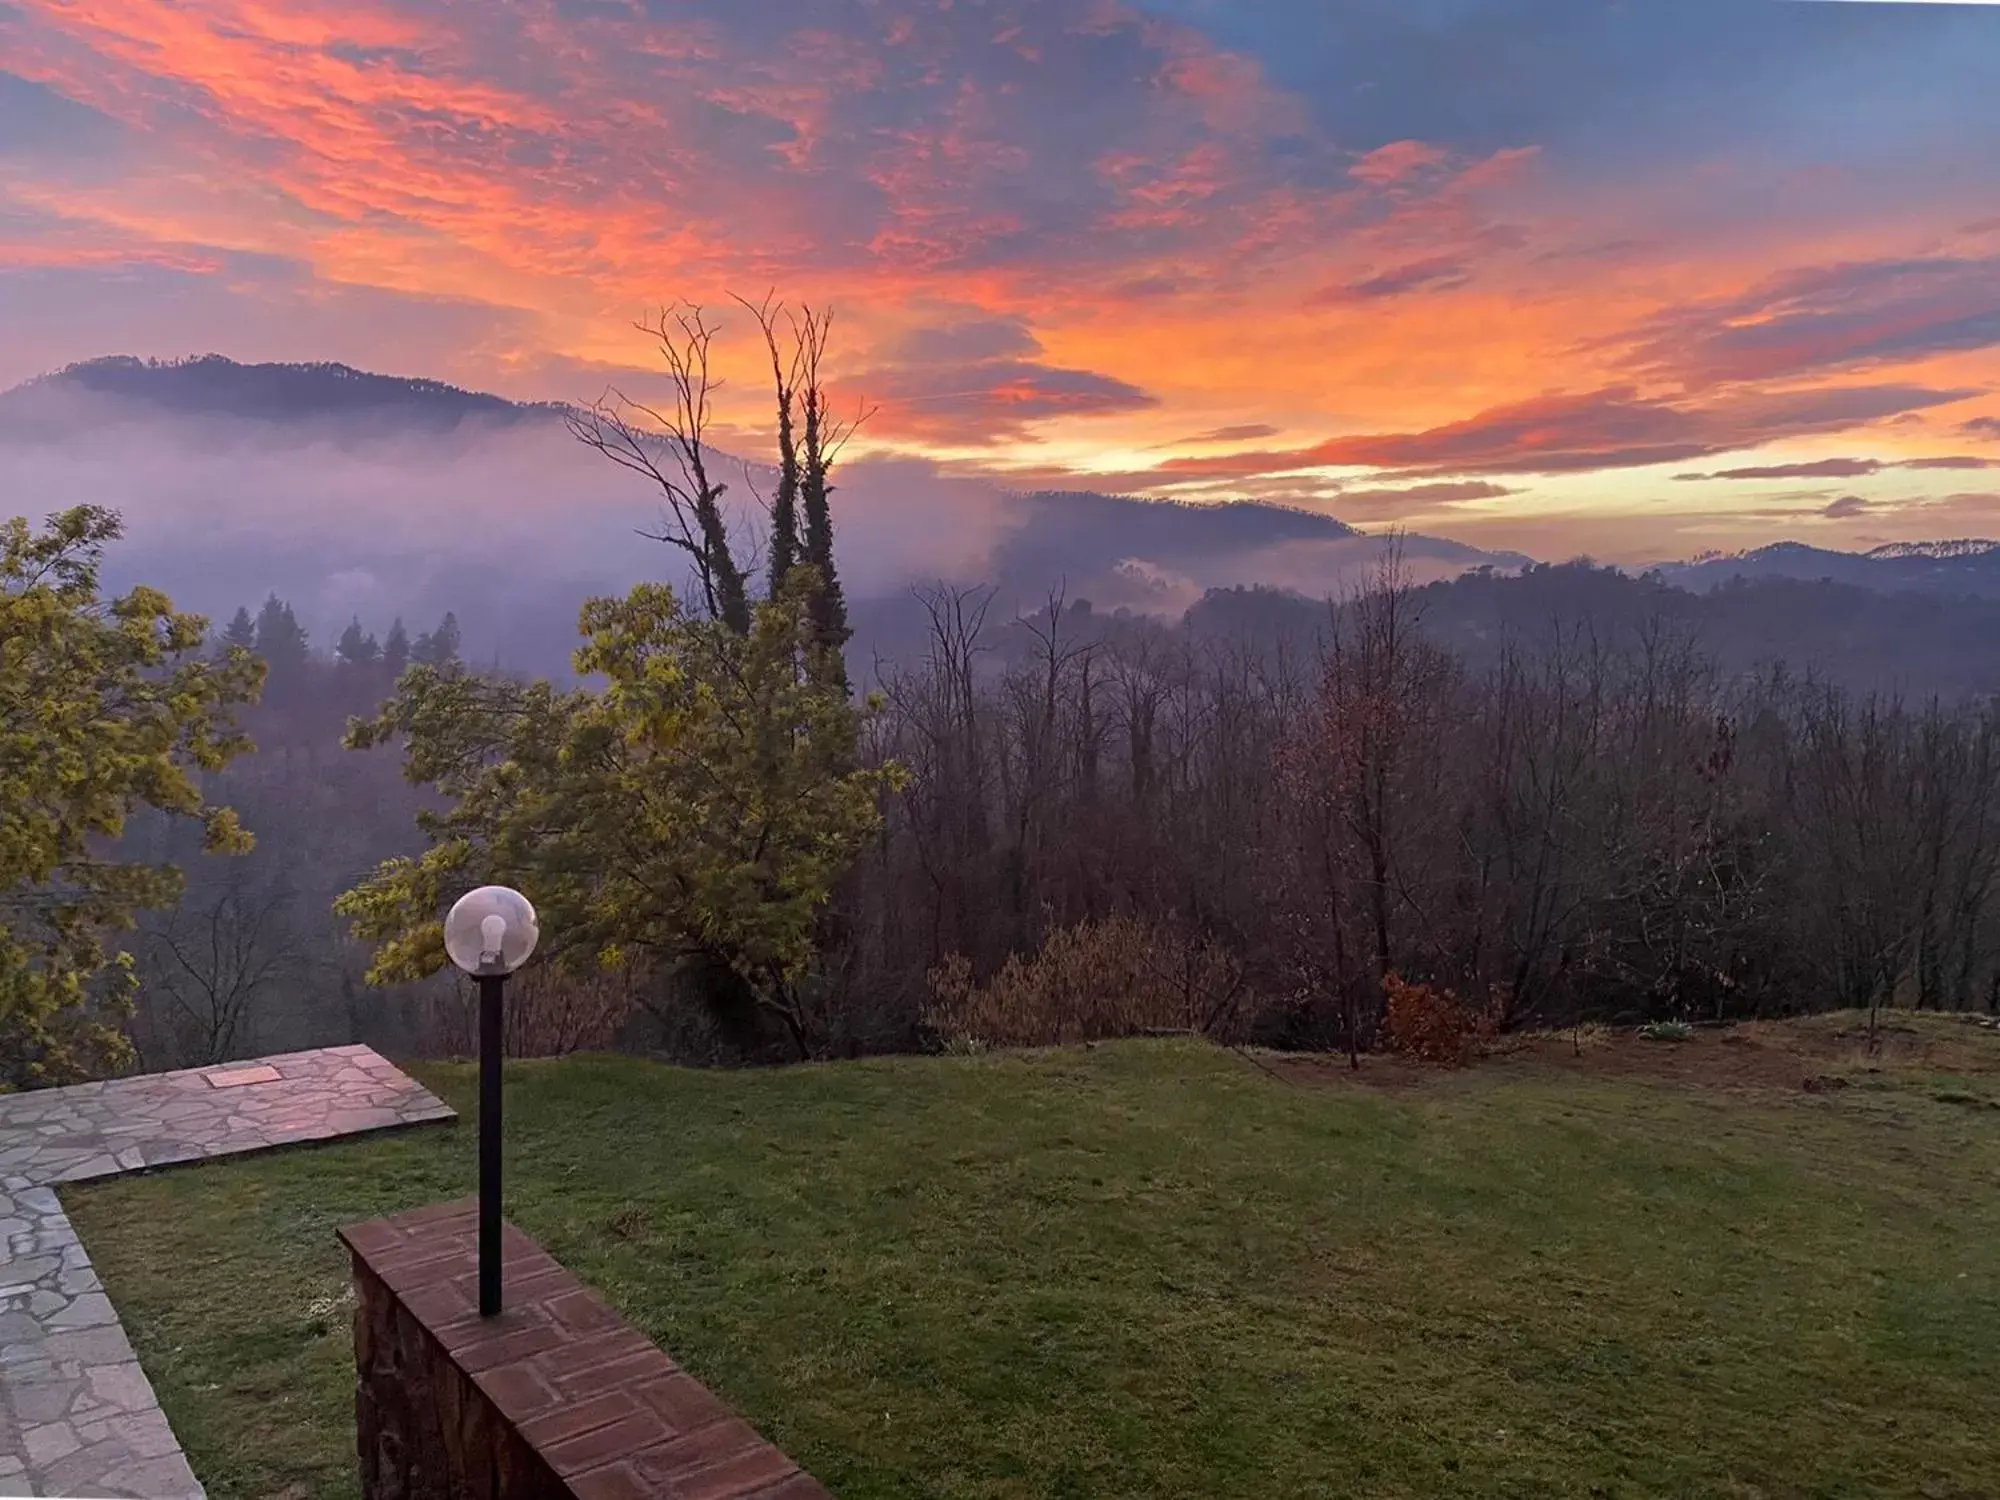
pixel 121 387
pixel 1968 567
pixel 1163 554
pixel 1122 551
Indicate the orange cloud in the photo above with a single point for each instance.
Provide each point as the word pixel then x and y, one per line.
pixel 1608 429
pixel 1181 244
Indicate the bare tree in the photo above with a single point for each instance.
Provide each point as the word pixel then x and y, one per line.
pixel 214 959
pixel 1363 767
pixel 695 523
pixel 934 724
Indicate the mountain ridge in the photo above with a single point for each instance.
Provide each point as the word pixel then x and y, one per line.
pixel 1965 566
pixel 1954 548
pixel 214 385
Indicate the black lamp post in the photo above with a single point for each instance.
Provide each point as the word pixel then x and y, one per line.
pixel 489 933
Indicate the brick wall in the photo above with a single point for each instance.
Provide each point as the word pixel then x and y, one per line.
pixel 558 1396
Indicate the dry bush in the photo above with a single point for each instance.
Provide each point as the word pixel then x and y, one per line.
pixel 1118 977
pixel 548 1013
pixel 1432 1025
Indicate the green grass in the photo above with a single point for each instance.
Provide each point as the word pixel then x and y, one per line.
pixel 1151 1269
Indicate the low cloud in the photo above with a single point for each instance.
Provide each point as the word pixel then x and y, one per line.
pixel 512 528
pixel 1847 468
pixel 1563 433
pixel 1983 502
pixel 1951 461
pixel 1965 513
pixel 1244 433
pixel 1387 504
pixel 1825 468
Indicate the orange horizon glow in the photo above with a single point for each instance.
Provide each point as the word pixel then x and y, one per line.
pixel 1066 244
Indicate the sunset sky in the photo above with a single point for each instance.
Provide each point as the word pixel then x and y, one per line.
pixel 1631 277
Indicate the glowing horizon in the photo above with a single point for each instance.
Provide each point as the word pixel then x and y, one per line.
pixel 1502 269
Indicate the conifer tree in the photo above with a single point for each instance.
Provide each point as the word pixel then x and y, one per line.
pixel 396 649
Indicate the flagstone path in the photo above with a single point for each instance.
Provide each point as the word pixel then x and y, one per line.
pixel 77 1415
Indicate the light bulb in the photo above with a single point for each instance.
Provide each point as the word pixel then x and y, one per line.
pixel 489 931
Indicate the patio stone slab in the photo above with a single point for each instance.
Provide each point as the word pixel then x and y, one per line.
pixel 77 1415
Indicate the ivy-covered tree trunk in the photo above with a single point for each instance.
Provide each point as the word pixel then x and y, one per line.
pixel 828 606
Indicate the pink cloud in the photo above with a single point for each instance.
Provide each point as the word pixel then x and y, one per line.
pixel 1395 162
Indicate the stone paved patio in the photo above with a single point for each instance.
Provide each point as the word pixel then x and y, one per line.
pixel 77 1415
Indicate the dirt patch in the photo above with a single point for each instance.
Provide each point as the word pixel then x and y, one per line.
pixel 1721 1058
pixel 1714 1059
pixel 1815 1055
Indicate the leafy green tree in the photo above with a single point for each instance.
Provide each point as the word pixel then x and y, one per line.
pixel 695 813
pixel 106 706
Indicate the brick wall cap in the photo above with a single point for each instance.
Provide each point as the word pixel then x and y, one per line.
pixel 598 1407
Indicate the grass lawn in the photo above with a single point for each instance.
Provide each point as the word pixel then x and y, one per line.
pixel 1153 1269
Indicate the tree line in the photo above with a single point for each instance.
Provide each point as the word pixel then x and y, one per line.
pixel 1585 826
pixel 275 635
pixel 1042 829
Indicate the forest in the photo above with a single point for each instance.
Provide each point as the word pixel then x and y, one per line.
pixel 1402 814
pixel 1113 824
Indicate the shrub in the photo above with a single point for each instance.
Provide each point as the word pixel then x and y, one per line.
pixel 1118 977
pixel 1666 1031
pixel 1432 1025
